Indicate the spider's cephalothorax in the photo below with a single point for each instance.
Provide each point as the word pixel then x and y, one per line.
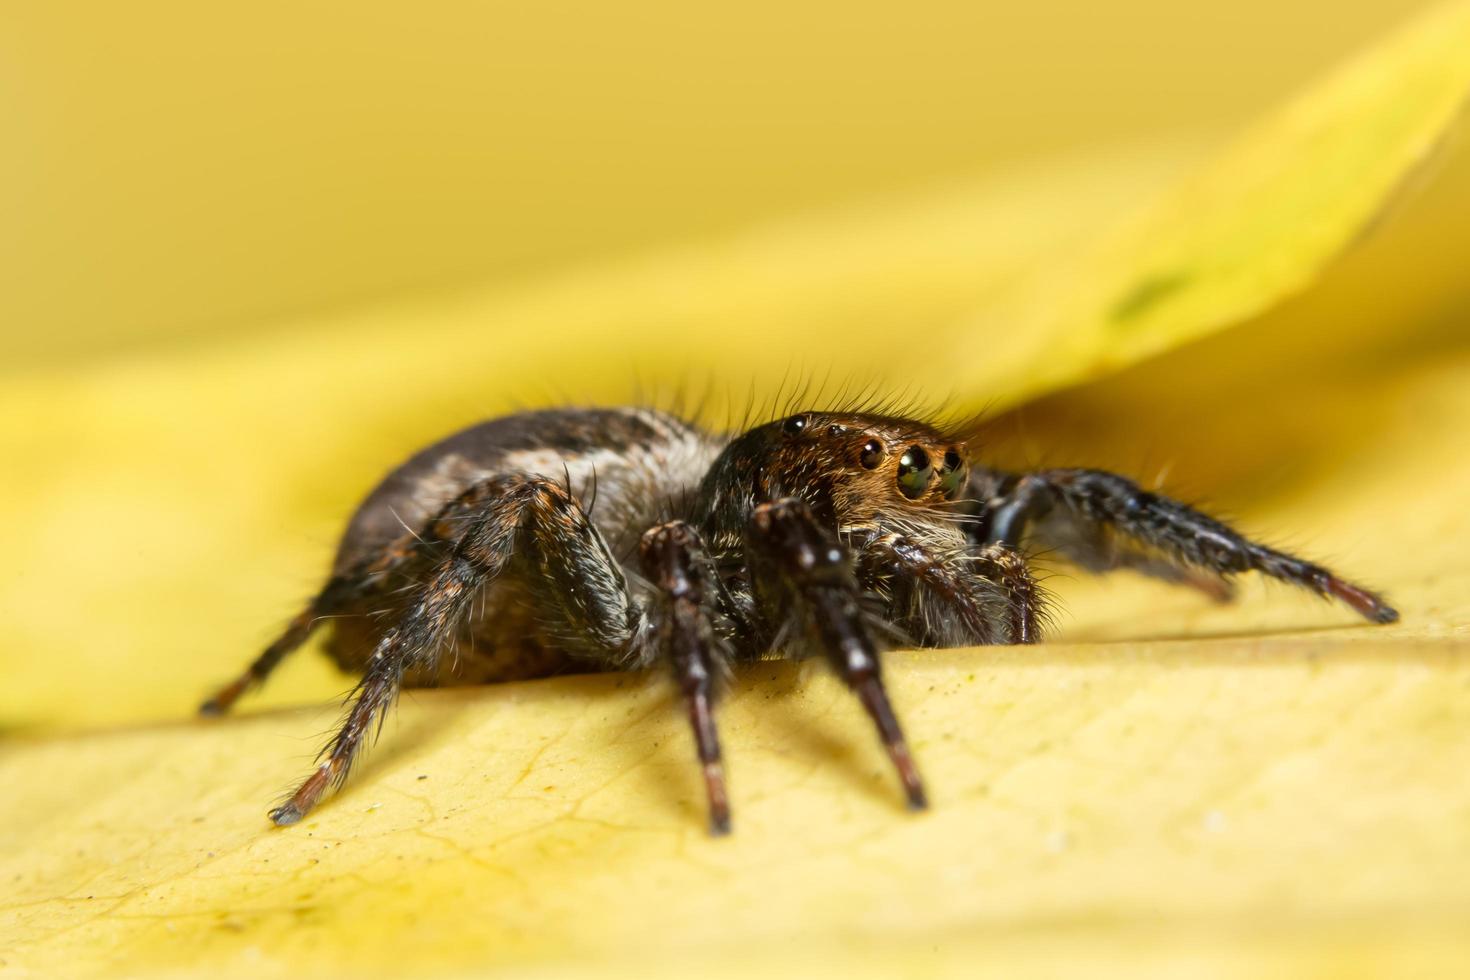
pixel 611 538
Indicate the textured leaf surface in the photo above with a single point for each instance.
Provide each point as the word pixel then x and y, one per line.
pixel 1268 787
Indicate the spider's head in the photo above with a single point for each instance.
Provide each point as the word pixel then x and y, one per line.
pixel 868 463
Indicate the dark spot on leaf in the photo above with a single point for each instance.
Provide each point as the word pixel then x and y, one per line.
pixel 1146 295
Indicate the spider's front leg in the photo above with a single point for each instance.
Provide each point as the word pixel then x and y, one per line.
pixel 814 582
pixel 674 559
pixel 574 583
pixel 1076 512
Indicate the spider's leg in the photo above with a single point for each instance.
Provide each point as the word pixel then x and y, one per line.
pixel 818 586
pixel 1089 545
pixel 976 590
pixel 674 559
pixel 325 604
pixel 1071 509
pixel 337 596
pixel 574 582
pixel 295 634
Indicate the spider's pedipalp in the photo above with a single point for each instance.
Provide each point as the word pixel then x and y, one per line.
pixel 958 595
pixel 820 589
pixel 1024 602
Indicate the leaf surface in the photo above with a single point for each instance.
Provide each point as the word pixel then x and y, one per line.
pixel 1170 787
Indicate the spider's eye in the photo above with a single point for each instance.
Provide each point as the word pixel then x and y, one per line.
pixel 952 474
pixel 794 425
pixel 872 454
pixel 914 472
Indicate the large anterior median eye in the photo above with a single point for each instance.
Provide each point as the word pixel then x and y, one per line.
pixel 914 472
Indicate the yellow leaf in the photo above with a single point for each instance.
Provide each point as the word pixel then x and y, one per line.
pixel 1254 227
pixel 1262 788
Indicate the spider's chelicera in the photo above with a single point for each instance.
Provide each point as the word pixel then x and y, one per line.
pixel 569 539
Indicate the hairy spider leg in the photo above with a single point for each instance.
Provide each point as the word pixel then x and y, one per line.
pixel 297 632
pixel 820 584
pixel 336 597
pixel 575 584
pixel 1093 501
pixel 1089 545
pixel 674 559
pixel 325 604
pixel 977 587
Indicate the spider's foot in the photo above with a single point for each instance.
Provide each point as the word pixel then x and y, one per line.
pixel 285 815
pixel 301 802
pixel 225 698
pixel 719 801
pixel 908 774
pixel 1384 614
pixel 913 787
pixel 1369 605
pixel 875 699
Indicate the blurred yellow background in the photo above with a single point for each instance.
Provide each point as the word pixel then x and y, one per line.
pixel 252 258
pixel 175 170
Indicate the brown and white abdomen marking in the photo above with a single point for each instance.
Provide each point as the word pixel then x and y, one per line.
pixel 631 466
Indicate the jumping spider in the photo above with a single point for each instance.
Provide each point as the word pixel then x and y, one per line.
pixel 606 539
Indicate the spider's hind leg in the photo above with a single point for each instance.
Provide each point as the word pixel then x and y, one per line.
pixel 296 633
pixel 324 605
pixel 575 584
pixel 1074 511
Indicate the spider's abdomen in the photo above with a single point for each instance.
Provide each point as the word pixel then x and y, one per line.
pixel 627 467
pixel 643 462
